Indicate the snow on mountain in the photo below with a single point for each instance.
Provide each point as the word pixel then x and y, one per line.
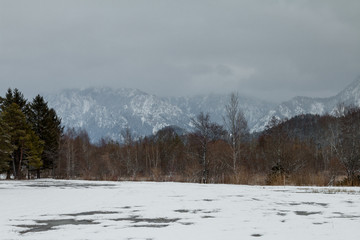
pixel 214 104
pixel 105 112
pixel 305 105
pixel 350 95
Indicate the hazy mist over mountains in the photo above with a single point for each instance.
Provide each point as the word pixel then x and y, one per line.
pixel 106 112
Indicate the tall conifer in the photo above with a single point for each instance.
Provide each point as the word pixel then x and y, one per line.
pixel 6 148
pixel 47 127
pixel 27 146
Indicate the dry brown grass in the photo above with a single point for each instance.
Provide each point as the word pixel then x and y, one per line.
pixel 309 179
pixel 245 177
pixel 193 175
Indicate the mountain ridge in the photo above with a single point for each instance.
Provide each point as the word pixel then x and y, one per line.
pixel 106 112
pixel 349 96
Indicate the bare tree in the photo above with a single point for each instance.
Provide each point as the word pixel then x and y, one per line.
pixel 236 126
pixel 346 143
pixel 68 153
pixel 205 133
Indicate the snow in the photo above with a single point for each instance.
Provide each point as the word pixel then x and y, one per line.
pixel 317 108
pixel 62 209
pixel 102 111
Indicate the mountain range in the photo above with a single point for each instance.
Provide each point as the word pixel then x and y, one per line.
pixel 106 112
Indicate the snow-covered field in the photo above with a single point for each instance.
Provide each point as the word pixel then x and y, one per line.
pixel 59 209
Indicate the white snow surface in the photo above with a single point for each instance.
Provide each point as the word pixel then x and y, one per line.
pixel 62 209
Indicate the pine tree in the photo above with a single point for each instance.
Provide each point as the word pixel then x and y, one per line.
pixel 27 146
pixel 47 126
pixel 6 148
pixel 14 96
pixel 34 147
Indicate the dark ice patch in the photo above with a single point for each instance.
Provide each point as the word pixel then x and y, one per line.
pixel 46 225
pixel 90 213
pixel 306 213
pixel 342 215
pixel 151 226
pixel 139 219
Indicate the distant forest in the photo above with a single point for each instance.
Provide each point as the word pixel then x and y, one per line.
pixel 304 150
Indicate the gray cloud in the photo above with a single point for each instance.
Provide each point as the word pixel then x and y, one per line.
pixel 268 49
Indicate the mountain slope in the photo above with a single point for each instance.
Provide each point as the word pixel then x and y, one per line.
pixel 105 112
pixel 214 104
pixel 304 105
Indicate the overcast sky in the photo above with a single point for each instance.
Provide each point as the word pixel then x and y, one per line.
pixel 269 49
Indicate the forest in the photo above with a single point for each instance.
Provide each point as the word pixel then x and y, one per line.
pixel 305 150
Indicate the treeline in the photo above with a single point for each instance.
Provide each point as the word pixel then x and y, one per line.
pixel 30 134
pixel 305 150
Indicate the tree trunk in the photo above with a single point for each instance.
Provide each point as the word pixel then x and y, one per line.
pixel 38 173
pixel 14 169
pixel 234 158
pixel 18 175
pixel 205 170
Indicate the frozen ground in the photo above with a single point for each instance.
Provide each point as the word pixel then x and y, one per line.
pixel 54 209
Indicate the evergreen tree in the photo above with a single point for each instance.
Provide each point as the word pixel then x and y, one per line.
pixel 47 127
pixel 14 96
pixel 6 148
pixel 27 146
pixel 34 147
